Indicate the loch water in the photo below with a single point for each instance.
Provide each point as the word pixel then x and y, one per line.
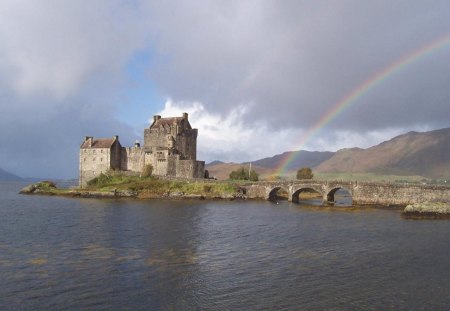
pixel 87 254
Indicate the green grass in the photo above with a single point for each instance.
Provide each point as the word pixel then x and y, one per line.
pixel 110 182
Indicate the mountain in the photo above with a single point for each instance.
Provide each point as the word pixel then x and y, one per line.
pixel 6 176
pixel 214 163
pixel 299 158
pixel 268 166
pixel 425 154
pixel 222 170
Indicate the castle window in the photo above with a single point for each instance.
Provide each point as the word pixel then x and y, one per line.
pixel 101 159
pixel 93 159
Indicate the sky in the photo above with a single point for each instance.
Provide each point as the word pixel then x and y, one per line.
pixel 254 76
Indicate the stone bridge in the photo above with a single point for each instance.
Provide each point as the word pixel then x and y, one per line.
pixel 363 193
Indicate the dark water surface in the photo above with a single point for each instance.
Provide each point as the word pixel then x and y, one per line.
pixel 69 254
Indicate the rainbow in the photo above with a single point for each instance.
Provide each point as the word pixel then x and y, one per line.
pixel 360 91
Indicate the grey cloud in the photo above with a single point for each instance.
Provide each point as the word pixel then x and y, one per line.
pixel 36 142
pixel 295 59
pixel 61 66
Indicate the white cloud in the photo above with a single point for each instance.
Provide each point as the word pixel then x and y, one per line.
pixel 228 137
pixel 231 138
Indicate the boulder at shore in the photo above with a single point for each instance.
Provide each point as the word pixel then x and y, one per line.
pixel 437 208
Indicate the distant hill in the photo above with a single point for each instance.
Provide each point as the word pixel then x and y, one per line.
pixel 426 154
pixel 222 170
pixel 269 166
pixel 301 158
pixel 214 163
pixel 6 176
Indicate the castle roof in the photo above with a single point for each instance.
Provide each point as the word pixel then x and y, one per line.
pixel 163 122
pixel 91 143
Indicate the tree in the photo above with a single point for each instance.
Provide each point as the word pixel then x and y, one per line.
pixel 305 173
pixel 243 174
pixel 253 175
pixel 147 171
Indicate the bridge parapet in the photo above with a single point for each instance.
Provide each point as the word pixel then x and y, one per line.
pixel 363 193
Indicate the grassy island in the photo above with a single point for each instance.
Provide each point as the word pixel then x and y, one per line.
pixel 120 185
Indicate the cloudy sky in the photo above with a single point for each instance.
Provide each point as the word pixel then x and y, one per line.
pixel 255 76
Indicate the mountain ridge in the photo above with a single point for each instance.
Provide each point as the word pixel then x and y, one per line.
pixel 413 153
pixel 7 176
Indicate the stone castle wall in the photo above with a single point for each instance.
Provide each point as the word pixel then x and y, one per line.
pixel 93 162
pixel 178 137
pixel 154 138
pixel 187 144
pixel 190 169
pixel 133 159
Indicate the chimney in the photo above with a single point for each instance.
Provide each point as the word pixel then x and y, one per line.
pixel 156 118
pixel 185 115
pixel 116 137
pixel 89 140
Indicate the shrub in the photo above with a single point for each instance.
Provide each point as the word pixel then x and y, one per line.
pixel 243 174
pixel 99 181
pixel 305 173
pixel 46 185
pixel 274 178
pixel 253 176
pixel 147 171
pixel 207 188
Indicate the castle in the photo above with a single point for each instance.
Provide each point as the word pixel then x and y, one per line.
pixel 170 146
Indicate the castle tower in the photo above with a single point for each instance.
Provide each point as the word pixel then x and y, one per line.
pixel 170 145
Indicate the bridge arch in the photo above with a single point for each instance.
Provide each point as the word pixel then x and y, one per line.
pixel 272 193
pixel 295 197
pixel 330 195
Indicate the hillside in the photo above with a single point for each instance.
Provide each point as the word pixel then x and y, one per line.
pixel 222 170
pixel 426 154
pixel 301 158
pixel 269 166
pixel 6 176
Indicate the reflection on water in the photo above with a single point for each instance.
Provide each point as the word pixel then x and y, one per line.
pixel 342 198
pixel 59 253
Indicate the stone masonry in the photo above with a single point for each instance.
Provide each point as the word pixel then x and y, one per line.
pixel 363 193
pixel 170 146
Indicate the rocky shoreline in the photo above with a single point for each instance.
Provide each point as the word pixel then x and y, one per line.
pixel 48 188
pixel 427 210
